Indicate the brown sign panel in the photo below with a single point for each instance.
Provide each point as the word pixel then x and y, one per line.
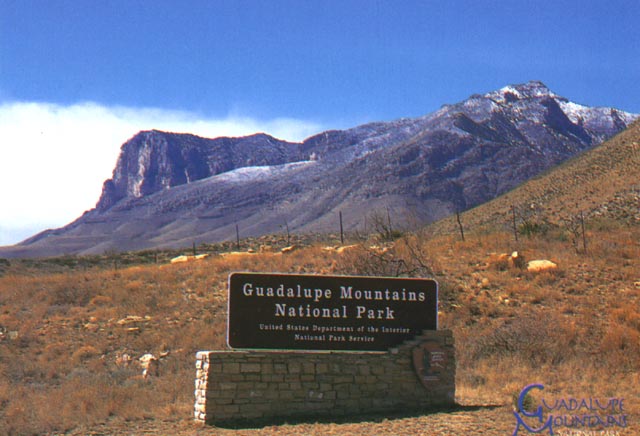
pixel 313 312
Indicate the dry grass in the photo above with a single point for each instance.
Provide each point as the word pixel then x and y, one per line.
pixel 576 329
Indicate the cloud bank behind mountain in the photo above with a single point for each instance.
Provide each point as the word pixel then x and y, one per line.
pixel 54 158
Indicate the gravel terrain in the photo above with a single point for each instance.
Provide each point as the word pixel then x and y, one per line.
pixel 467 420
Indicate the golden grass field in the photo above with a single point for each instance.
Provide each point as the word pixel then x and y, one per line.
pixel 65 330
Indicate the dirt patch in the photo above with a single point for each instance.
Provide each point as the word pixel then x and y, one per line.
pixel 468 420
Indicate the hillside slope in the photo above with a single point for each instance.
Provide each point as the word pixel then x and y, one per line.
pixel 601 183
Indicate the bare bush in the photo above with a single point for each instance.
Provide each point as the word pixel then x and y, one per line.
pixel 401 260
pixel 382 227
pixel 621 345
pixel 533 338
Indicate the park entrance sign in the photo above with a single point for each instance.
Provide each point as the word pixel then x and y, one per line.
pixel 333 313
pixel 342 346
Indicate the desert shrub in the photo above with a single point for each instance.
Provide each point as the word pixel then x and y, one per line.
pixel 54 360
pixel 498 262
pixel 533 221
pixel 627 315
pixel 84 353
pixel 528 403
pixel 65 293
pixel 100 300
pixel 382 227
pixel 534 338
pixel 404 259
pixel 621 345
pixel 531 229
pixel 365 261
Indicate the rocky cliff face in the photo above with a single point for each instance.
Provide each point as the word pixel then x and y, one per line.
pixel 152 161
pixel 172 189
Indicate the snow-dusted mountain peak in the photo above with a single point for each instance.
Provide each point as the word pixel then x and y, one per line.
pixel 532 89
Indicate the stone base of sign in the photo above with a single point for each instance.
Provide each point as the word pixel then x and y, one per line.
pixel 251 386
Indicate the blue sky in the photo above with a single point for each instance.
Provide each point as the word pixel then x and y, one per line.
pixel 78 78
pixel 330 61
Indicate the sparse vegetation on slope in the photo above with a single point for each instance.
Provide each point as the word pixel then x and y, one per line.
pixel 603 184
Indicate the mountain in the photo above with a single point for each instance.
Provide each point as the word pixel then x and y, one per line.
pixel 600 184
pixel 154 161
pixel 171 190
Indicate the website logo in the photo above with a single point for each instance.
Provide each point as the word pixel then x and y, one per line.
pixel 569 416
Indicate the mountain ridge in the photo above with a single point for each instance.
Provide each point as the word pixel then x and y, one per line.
pixel 171 189
pixel 601 183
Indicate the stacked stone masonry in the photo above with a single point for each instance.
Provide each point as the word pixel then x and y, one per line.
pixel 236 386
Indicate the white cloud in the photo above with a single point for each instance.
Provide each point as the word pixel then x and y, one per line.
pixel 54 159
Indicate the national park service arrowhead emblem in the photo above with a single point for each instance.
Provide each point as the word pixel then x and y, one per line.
pixel 429 362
